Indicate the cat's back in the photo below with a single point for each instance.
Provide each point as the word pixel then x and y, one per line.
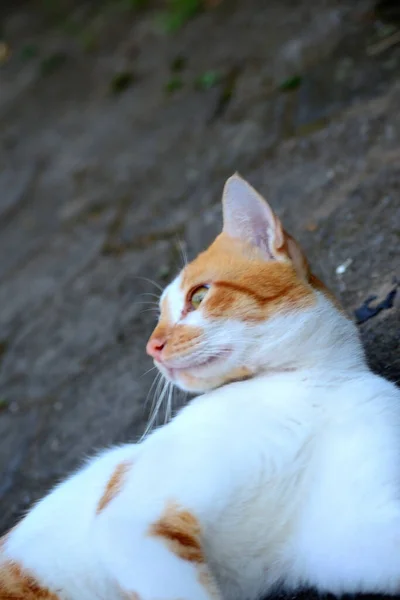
pixel 352 505
pixel 362 425
pixel 357 446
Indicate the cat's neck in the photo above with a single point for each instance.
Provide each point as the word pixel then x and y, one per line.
pixel 319 339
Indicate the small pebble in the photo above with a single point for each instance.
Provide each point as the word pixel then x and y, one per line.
pixel 341 269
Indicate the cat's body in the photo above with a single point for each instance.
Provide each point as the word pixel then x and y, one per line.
pixel 289 476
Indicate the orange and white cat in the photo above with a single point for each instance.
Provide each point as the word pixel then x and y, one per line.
pixel 285 471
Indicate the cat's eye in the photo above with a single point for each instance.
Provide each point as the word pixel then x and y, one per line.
pixel 197 296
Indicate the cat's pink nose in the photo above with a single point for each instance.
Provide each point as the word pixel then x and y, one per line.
pixel 155 347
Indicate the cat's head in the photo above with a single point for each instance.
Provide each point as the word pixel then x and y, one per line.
pixel 231 312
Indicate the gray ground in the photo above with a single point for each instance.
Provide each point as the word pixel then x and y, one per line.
pixel 96 187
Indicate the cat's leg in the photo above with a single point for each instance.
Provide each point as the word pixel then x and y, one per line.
pixel 149 536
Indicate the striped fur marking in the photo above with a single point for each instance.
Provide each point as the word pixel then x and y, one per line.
pixel 114 485
pixel 181 531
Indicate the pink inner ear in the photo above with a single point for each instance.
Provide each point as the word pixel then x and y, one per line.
pixel 247 216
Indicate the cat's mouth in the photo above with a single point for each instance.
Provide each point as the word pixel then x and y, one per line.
pixel 194 367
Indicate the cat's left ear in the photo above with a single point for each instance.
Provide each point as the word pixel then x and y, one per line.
pixel 249 217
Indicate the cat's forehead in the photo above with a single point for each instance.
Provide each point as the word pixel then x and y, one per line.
pixel 223 259
pixel 200 271
pixel 218 261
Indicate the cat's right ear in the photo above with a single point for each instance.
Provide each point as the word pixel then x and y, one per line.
pixel 247 216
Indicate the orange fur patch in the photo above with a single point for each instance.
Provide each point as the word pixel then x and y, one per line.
pixel 182 533
pixel 182 340
pixel 207 581
pixel 245 285
pixel 18 584
pixel 238 374
pixel 114 485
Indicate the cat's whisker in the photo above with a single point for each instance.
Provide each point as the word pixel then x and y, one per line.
pixel 157 392
pixel 148 371
pixel 157 285
pixel 154 415
pixel 158 397
pixel 156 381
pixel 168 408
pixel 152 309
pixel 148 302
pixel 182 247
pixel 151 294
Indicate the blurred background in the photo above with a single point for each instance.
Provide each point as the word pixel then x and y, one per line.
pixel 119 122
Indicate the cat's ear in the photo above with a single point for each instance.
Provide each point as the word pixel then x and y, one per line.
pixel 249 217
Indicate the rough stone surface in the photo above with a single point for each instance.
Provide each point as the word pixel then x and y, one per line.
pixel 97 187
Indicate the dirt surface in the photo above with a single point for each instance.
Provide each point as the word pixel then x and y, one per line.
pixel 115 141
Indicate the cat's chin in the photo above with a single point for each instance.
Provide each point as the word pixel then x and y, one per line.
pixel 189 380
pixel 196 377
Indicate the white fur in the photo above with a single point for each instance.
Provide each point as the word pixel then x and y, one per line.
pixel 294 476
pixel 175 299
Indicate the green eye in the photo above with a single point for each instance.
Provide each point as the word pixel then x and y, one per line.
pixel 198 296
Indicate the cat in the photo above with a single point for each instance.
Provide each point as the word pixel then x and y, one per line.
pixel 283 471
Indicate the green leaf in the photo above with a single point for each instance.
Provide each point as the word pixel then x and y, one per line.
pixel 121 81
pixel 178 13
pixel 174 84
pixel 207 80
pixel 291 83
pixel 178 64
